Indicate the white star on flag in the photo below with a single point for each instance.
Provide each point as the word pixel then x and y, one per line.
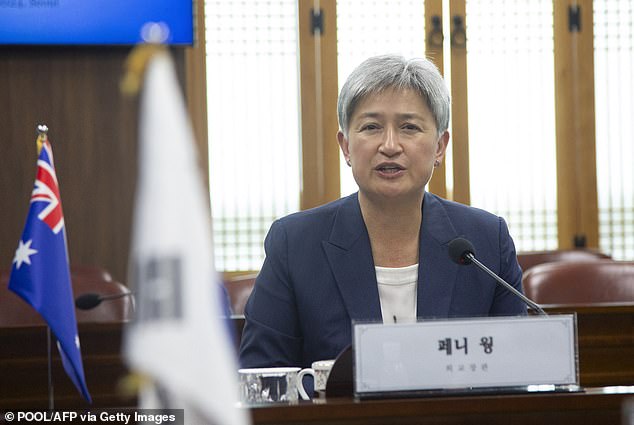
pixel 23 253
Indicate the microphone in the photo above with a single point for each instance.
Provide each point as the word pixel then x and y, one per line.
pixel 462 252
pixel 91 300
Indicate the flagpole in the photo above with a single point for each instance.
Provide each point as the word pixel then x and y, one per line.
pixel 42 132
pixel 51 397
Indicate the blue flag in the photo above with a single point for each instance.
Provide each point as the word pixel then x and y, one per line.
pixel 40 272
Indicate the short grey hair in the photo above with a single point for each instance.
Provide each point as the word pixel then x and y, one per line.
pixel 379 73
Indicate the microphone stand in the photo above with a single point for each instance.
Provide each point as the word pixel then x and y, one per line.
pixel 528 302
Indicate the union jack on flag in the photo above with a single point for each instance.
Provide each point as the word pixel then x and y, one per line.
pixel 40 273
pixel 46 190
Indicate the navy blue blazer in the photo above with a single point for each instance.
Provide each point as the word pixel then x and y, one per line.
pixel 319 276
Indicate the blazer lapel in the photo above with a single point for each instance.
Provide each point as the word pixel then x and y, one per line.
pixel 436 272
pixel 350 257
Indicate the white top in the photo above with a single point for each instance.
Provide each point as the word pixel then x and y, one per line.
pixel 397 292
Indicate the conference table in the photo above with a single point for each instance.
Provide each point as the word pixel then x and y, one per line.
pixel 606 365
pixel 594 406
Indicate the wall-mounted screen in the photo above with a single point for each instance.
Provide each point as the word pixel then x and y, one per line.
pixel 92 22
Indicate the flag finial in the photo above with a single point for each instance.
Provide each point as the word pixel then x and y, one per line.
pixel 155 32
pixel 42 136
pixel 154 35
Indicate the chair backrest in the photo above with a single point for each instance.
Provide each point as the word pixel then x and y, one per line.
pixel 580 282
pixel 14 311
pixel 239 288
pixel 532 258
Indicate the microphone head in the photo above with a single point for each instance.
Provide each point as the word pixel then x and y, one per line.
pixel 458 250
pixel 88 301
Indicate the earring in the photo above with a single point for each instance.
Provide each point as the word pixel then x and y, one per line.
pixel 348 162
pixel 436 163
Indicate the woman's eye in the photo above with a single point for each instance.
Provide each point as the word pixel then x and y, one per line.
pixel 369 127
pixel 411 127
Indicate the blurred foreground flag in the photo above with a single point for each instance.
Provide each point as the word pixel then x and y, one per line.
pixel 40 273
pixel 179 338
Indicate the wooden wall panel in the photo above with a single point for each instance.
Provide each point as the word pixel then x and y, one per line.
pixel 195 64
pixel 459 105
pixel 319 90
pixel 75 91
pixel 434 51
pixel 577 202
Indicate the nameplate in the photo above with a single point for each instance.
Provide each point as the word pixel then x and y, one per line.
pixel 515 352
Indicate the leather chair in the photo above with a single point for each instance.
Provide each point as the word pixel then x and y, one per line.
pixel 239 288
pixel 14 311
pixel 580 282
pixel 529 259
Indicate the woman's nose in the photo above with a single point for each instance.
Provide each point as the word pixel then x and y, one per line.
pixel 391 144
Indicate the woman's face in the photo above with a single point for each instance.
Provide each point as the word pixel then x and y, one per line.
pixel 392 144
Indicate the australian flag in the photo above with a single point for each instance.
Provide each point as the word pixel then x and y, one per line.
pixel 40 272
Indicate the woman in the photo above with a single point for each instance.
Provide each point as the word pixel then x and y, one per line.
pixel 381 253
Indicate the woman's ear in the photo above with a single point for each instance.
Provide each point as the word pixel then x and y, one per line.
pixel 343 144
pixel 441 148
